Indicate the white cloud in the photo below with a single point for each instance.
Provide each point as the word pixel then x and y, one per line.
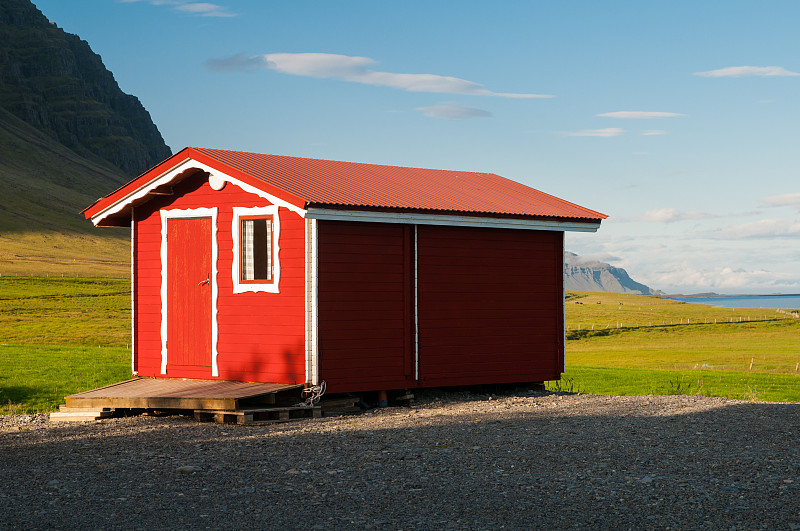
pixel 669 259
pixel 607 132
pixel 640 115
pixel 453 112
pixel 669 215
pixel 790 200
pixel 761 229
pixel 654 132
pixel 357 70
pixel 726 279
pixel 202 9
pixel 748 71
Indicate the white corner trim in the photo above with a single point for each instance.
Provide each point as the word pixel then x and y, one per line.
pixel 448 219
pixel 218 177
pixel 183 214
pixel 133 295
pixel 416 303
pixel 271 287
pixel 312 352
pixel 563 309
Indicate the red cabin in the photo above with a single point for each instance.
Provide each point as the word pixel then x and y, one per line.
pixel 263 268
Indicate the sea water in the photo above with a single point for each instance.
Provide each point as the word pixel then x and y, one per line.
pixel 786 302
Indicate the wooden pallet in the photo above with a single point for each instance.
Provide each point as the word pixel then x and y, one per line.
pixel 334 406
pixel 80 414
pixel 258 416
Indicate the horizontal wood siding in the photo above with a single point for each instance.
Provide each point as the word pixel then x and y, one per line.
pixel 261 335
pixel 364 302
pixel 490 305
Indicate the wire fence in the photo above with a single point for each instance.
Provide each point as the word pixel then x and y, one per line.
pixel 782 315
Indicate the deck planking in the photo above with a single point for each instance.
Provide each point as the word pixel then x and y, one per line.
pixel 152 393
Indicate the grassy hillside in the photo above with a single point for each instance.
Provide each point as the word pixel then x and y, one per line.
pixel 43 188
pixel 631 344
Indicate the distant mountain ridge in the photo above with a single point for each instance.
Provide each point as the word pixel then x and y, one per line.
pixel 591 275
pixel 53 81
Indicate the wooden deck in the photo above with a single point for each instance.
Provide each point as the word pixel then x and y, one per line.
pixel 165 394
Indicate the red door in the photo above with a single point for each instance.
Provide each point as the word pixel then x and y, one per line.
pixel 189 297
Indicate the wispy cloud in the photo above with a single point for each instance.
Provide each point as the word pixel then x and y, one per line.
pixel 748 71
pixel 607 132
pixel 453 112
pixel 790 200
pixel 204 9
pixel 236 63
pixel 640 115
pixel 689 278
pixel 669 215
pixel 357 70
pixel 654 132
pixel 761 229
pixel 201 9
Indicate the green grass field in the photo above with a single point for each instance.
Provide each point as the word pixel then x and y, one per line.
pixel 59 336
pixel 635 345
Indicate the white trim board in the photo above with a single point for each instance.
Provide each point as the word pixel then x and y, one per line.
pixel 134 372
pixel 183 214
pixel 170 175
pixel 448 219
pixel 311 301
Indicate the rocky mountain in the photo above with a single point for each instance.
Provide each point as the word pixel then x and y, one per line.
pixel 53 81
pixel 68 135
pixel 591 275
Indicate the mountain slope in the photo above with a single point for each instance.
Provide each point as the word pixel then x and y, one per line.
pixel 43 187
pixel 68 135
pixel 590 275
pixel 53 81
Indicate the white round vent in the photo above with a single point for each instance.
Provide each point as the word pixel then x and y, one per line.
pixel 216 182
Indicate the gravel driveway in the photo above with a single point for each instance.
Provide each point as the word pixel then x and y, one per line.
pixel 451 461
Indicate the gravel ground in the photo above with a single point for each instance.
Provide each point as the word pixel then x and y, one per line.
pixel 450 461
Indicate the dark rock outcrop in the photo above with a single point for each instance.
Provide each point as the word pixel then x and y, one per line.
pixel 55 82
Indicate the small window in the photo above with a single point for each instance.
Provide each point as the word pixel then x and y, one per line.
pixel 256 249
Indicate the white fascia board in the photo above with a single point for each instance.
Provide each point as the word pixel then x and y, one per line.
pixel 170 175
pixel 445 219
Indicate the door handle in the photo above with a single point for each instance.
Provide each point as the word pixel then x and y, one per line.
pixel 203 282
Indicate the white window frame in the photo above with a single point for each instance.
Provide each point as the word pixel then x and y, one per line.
pixel 244 287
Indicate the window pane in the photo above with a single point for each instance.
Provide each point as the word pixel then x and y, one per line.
pixel 256 255
pixel 247 249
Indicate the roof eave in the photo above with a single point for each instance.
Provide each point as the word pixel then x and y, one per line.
pixel 114 209
pixel 443 217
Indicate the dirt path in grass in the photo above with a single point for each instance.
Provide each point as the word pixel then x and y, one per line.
pixel 451 461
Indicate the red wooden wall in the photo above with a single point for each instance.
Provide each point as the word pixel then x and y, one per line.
pixel 490 305
pixel 489 308
pixel 261 335
pixel 365 306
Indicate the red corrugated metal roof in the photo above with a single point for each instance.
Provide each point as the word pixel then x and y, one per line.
pixel 350 184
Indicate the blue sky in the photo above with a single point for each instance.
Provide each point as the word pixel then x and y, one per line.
pixel 678 119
